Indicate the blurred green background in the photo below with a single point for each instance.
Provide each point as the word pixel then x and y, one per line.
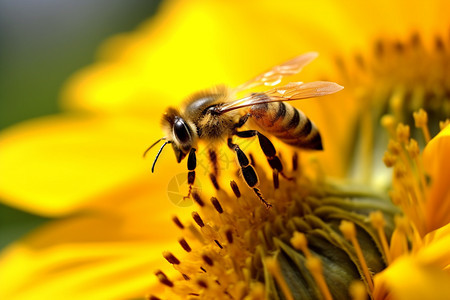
pixel 41 44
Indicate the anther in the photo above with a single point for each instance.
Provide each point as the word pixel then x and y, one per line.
pixel 415 39
pixel 197 199
pixel 197 219
pixel 214 181
pixel 273 267
pixel 163 278
pixel 216 205
pixel 177 222
pixel 389 159
pixel 202 283
pixel 421 121
pixel 229 236
pixel 394 147
pixel 439 44
pixel 207 260
pixel 349 231
pixel 300 242
pixel 413 149
pixel 185 245
pixel 403 133
pixel 388 122
pixel 357 291
pixel 235 188
pixel 378 222
pixel 171 258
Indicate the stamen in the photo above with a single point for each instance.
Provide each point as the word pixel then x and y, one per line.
pixel 357 291
pixel 163 278
pixel 378 223
pixel 414 153
pixel 197 198
pixel 349 231
pixel 202 283
pixel 314 265
pixel 300 242
pixel 235 189
pixel 274 268
pixel 208 260
pixel 216 205
pixel 421 121
pixel 389 159
pixel 177 222
pixel 403 133
pixel 257 292
pixel 171 258
pixel 229 236
pixel 214 181
pixel 388 122
pixel 185 245
pixel 197 219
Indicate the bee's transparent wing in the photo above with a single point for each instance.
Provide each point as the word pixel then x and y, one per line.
pixel 290 92
pixel 274 75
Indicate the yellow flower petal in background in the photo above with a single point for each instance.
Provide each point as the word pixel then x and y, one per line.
pixel 55 165
pixel 92 165
pixel 437 165
pixel 422 275
pixel 116 247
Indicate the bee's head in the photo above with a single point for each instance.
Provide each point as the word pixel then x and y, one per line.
pixel 181 133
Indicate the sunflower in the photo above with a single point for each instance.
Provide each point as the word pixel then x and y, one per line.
pixel 84 167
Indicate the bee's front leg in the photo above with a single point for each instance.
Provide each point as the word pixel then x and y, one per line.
pixel 191 165
pixel 241 122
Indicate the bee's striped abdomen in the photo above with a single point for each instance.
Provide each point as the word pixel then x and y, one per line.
pixel 288 124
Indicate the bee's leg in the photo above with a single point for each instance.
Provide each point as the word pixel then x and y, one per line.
pixel 248 172
pixel 242 121
pixel 191 164
pixel 270 152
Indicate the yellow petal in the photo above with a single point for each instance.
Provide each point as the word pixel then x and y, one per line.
pixel 55 165
pixel 436 252
pixel 407 279
pixel 95 255
pixel 190 45
pixel 437 165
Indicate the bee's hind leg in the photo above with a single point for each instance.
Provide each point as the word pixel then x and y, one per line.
pixel 248 172
pixel 191 164
pixel 269 151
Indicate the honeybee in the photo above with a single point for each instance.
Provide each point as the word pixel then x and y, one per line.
pixel 214 114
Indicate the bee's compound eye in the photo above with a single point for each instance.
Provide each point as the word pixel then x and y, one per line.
pixel 181 131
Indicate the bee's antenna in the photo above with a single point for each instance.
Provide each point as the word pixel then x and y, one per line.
pixel 159 152
pixel 154 144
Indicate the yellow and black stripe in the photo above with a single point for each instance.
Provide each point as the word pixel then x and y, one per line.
pixel 288 124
